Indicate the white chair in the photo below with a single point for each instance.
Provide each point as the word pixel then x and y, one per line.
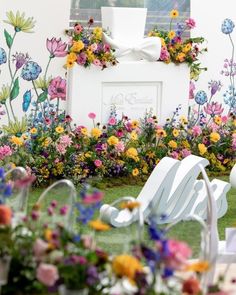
pixel 173 190
pixel 19 198
pixel 68 197
pixel 217 249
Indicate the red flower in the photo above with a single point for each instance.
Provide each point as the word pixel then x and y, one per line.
pixel 5 215
pixel 191 286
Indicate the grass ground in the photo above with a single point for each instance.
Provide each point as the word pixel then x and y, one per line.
pixel 117 240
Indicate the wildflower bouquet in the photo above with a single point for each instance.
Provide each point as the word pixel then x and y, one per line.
pixel 176 48
pixel 86 47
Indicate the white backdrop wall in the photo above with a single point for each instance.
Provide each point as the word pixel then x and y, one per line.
pixel 52 18
pixel 209 15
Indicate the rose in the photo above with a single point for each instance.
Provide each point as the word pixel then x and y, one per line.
pixel 47 274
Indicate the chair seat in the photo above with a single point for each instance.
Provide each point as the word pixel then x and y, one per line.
pixel 225 256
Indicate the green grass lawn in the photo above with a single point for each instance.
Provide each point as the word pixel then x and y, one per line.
pixel 117 240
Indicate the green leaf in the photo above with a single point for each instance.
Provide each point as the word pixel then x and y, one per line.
pixel 43 96
pixel 15 90
pixel 9 39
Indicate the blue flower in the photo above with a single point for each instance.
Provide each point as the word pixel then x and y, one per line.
pixel 201 97
pixel 3 56
pixel 227 26
pixel 31 71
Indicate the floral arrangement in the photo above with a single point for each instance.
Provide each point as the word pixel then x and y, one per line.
pixel 176 48
pixel 86 47
pixel 47 258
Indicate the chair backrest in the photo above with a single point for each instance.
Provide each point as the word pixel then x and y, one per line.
pixel 19 198
pixel 65 194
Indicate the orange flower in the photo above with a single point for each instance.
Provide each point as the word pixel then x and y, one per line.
pixel 126 265
pixel 131 205
pixel 191 286
pixel 199 266
pixel 98 225
pixel 5 215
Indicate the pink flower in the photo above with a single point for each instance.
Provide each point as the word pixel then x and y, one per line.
pixel 93 198
pixel 40 247
pixel 119 133
pixel 78 259
pixel 234 141
pixel 179 252
pixel 57 48
pixel 97 62
pixel 94 47
pixel 57 88
pixel 214 127
pixel 106 47
pixel 112 121
pixel 213 109
pixel 224 119
pixel 87 241
pixel 174 155
pixel 78 28
pixel 92 116
pixel 190 23
pixel 82 58
pixel 165 56
pixel 47 274
pixel 98 163
pixel 191 90
pixel 61 148
pixel 65 140
pixel 64 210
pixel 150 120
pixel 5 151
pixel 185 153
pixel 120 147
pixel 196 130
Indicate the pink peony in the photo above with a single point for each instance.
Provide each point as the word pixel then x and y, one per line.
pixel 98 163
pixel 5 151
pixel 120 147
pixel 196 130
pixel 57 88
pixel 40 247
pixel 112 121
pixel 190 23
pixel 47 274
pixel 179 252
pixel 57 48
pixel 92 116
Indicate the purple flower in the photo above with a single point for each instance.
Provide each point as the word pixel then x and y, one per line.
pixel 64 210
pixel 82 58
pixel 214 86
pixel 20 59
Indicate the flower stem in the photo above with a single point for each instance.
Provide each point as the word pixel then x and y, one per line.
pixel 11 107
pixel 46 70
pixel 58 102
pixel 9 56
pixel 231 76
pixel 8 115
pixel 35 89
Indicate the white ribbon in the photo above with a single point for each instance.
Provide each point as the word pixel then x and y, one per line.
pixel 149 48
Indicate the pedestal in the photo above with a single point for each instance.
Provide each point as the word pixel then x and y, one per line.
pixel 133 87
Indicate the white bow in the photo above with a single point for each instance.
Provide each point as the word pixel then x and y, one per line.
pixel 149 48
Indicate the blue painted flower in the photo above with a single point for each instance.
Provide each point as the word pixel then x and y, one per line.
pixel 3 56
pixel 31 71
pixel 227 26
pixel 201 97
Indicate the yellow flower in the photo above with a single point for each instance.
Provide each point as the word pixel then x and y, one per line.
pixel 17 140
pixel 132 153
pixel 97 32
pixel 71 58
pixel 145 169
pixel 19 22
pixel 175 133
pixel 161 133
pixel 126 266
pixel 131 205
pixel 187 48
pixel 218 120
pixel 59 129
pixel 88 155
pixel 98 225
pixel 214 136
pixel 183 119
pixel 96 132
pixel 200 266
pixel 135 172
pixel 77 46
pixel 90 55
pixel 202 148
pixel 174 13
pixel 33 131
pixel 133 135
pixel 163 43
pixel 172 144
pixel 47 141
pixel 134 124
pixel 181 57
pixel 112 140
pixel 186 144
pixel 171 34
pixel 84 131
